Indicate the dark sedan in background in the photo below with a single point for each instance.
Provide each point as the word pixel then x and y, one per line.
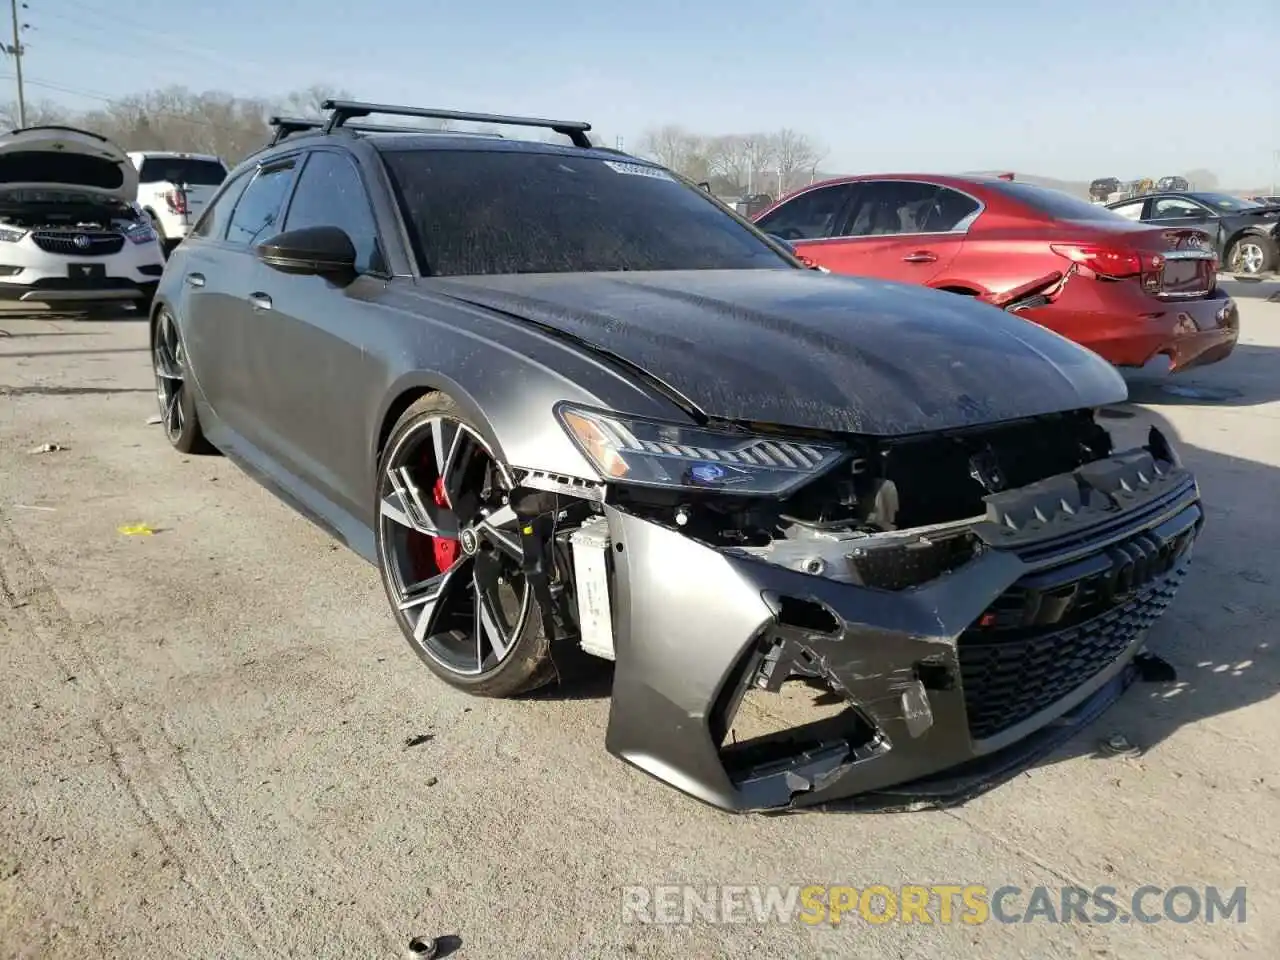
pixel 1246 233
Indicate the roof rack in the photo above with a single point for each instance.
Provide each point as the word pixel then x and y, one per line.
pixel 343 110
pixel 286 126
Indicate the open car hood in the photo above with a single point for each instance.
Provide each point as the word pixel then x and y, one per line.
pixel 804 349
pixel 66 158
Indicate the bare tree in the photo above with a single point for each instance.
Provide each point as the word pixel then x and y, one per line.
pixel 795 155
pixel 307 103
pixel 758 148
pixel 38 114
pixel 671 145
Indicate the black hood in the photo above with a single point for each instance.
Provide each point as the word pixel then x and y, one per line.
pixel 805 349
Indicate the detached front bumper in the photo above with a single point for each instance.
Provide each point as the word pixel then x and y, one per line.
pixel 959 672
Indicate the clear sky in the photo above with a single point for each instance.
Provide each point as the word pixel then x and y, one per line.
pixel 1063 89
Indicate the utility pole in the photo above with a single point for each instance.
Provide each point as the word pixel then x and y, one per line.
pixel 15 51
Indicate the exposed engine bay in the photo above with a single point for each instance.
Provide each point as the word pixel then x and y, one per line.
pixel 65 210
pixel 893 514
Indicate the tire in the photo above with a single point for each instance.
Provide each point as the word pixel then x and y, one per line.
pixel 438 476
pixel 178 414
pixel 1251 255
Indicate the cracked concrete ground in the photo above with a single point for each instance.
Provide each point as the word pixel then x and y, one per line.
pixel 206 730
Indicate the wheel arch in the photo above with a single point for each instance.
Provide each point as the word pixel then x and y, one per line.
pixel 411 388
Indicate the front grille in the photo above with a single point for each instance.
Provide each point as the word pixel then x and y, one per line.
pixel 70 243
pixel 1054 630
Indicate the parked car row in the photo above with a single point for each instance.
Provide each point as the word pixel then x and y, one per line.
pixel 1141 296
pixel 570 405
pixel 82 222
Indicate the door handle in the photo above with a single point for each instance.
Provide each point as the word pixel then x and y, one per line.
pixel 195 279
pixel 260 301
pixel 920 256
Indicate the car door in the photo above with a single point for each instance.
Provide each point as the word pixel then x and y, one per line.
pixel 1185 212
pixel 907 231
pixel 304 352
pixel 812 221
pixel 235 277
pixel 206 264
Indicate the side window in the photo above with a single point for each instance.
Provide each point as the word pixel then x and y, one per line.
pixel 887 207
pixel 1130 211
pixel 256 214
pixel 949 211
pixel 810 216
pixel 1166 208
pixel 214 221
pixel 330 194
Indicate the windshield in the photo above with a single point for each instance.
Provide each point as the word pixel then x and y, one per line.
pixel 185 171
pixel 1224 201
pixel 1054 203
pixel 480 212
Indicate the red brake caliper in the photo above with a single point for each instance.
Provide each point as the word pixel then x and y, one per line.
pixel 446 549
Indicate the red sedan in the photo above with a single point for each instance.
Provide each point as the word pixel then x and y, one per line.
pixel 1140 296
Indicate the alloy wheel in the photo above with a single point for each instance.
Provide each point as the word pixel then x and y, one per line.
pixel 170 369
pixel 1248 257
pixel 451 547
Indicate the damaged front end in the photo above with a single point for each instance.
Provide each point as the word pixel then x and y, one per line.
pixel 796 621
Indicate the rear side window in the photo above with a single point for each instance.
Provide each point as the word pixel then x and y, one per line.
pixel 811 216
pixel 182 171
pixel 1052 203
pixel 258 211
pixel 214 221
pixel 477 212
pixel 889 207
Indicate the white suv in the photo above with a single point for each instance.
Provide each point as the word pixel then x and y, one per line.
pixel 173 189
pixel 70 230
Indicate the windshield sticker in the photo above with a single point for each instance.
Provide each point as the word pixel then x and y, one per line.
pixel 638 170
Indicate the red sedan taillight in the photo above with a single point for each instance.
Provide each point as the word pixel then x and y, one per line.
pixel 1107 261
pixel 176 201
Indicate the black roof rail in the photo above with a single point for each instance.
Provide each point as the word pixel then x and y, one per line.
pixel 286 126
pixel 343 110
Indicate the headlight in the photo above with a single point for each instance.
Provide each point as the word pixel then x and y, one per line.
pixel 140 233
pixel 656 454
pixel 11 234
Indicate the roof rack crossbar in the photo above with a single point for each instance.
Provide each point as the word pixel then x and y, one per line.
pixel 343 110
pixel 286 126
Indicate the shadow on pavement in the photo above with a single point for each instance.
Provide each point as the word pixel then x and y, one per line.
pixel 1247 378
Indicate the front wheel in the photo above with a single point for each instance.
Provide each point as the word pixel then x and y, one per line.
pixel 1251 255
pixel 451 555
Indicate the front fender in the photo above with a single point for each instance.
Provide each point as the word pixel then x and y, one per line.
pixel 507 376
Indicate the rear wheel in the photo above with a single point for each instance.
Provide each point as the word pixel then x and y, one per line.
pixel 1251 255
pixel 451 557
pixel 177 405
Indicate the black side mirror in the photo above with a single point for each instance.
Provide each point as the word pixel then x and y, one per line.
pixel 786 245
pixel 315 251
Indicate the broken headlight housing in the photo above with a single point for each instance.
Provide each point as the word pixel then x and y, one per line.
pixel 655 453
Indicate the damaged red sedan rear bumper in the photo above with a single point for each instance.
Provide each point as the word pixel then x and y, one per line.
pixel 943 683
